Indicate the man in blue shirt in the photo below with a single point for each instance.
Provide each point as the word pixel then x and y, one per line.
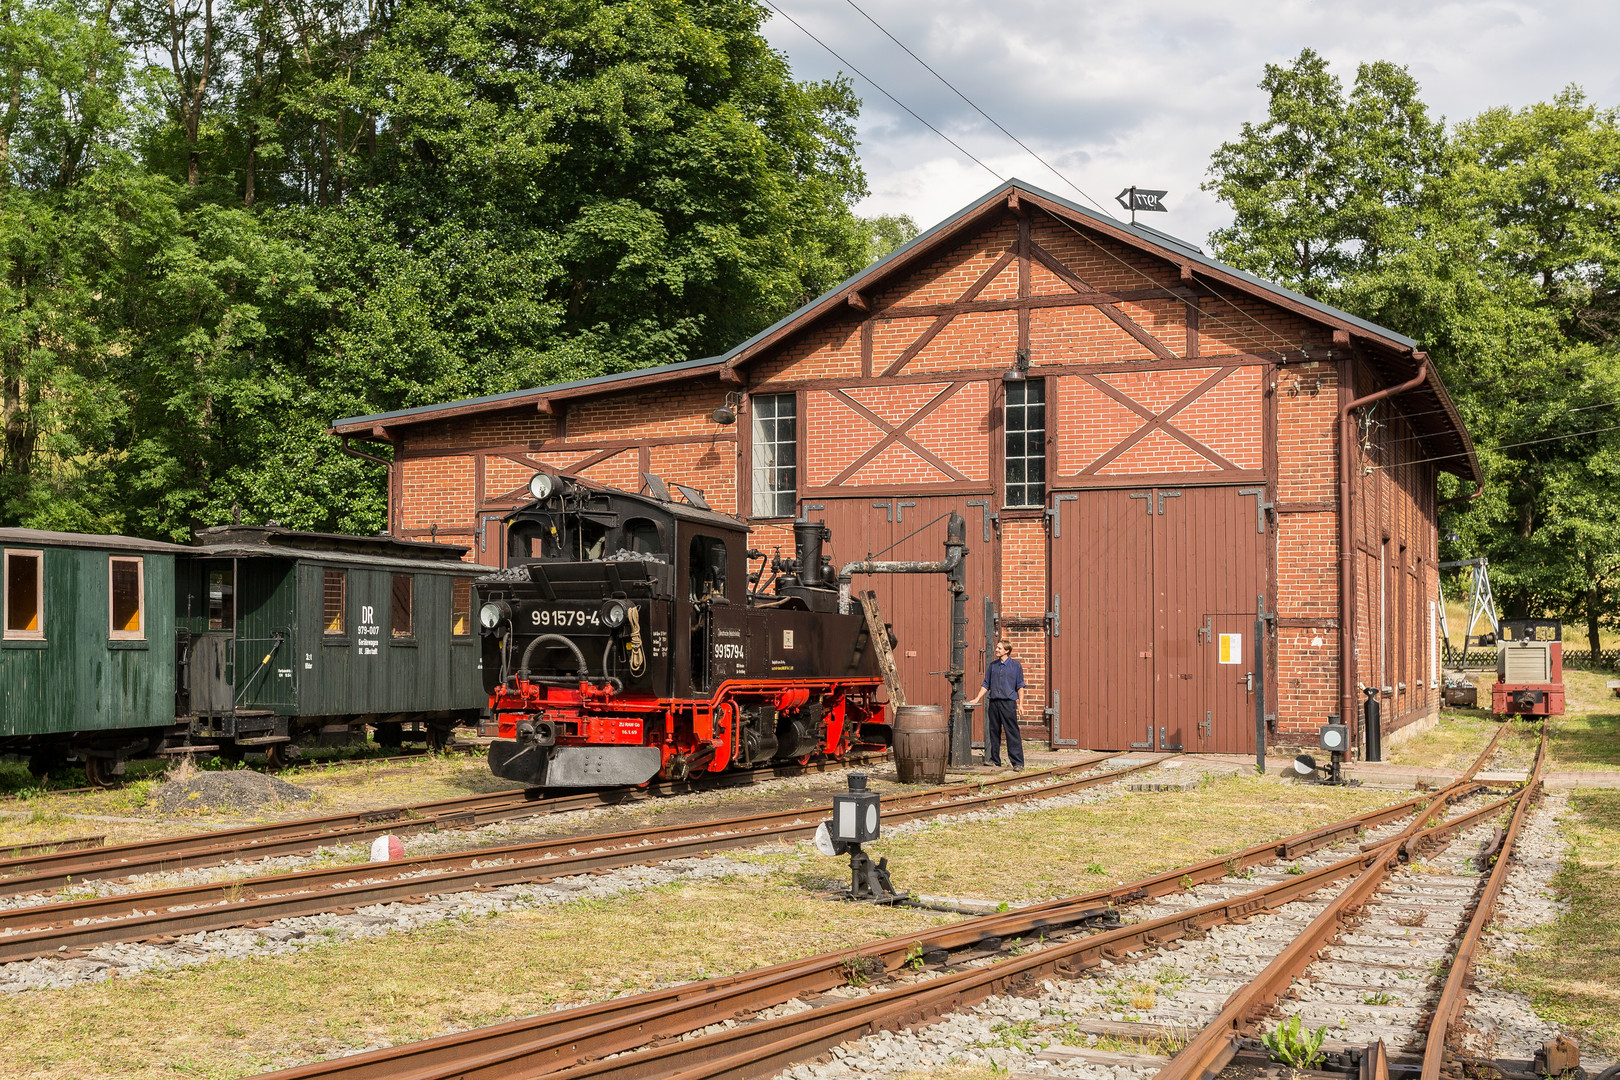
pixel 1004 682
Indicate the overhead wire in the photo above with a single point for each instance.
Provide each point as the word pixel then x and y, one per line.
pixel 1138 271
pixel 1503 446
pixel 913 113
pixel 975 106
pixel 963 150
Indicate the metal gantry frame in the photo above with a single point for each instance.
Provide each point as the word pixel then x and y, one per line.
pixel 1481 607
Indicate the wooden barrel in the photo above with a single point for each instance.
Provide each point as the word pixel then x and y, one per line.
pixel 921 744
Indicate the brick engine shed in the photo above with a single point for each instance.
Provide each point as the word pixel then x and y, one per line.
pixel 1151 449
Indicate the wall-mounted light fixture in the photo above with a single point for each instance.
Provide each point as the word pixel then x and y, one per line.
pixel 726 415
pixel 1020 369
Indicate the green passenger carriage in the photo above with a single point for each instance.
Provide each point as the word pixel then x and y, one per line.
pixel 242 642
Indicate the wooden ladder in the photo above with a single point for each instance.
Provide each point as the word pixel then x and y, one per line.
pixel 880 639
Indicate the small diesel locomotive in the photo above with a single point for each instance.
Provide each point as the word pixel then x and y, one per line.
pixel 626 638
pixel 1529 668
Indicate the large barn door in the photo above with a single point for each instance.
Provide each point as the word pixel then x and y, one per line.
pixel 918 605
pixel 1209 574
pixel 1102 618
pixel 1148 585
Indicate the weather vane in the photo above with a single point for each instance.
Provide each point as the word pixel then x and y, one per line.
pixel 1134 198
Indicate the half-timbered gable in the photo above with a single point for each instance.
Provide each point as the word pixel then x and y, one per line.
pixel 1145 444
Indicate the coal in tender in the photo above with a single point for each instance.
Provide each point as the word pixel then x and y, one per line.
pixel 236 791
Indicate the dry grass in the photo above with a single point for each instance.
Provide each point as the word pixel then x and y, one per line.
pixel 1573 976
pixel 1051 853
pixel 123 813
pixel 237 1018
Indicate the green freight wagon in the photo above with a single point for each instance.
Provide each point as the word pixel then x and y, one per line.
pixel 285 632
pixel 87 650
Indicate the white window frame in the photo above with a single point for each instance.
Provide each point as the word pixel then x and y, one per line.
pixel 39 593
pixel 765 469
pixel 113 633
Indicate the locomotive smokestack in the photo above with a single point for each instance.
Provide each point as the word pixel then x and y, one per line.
pixel 807 538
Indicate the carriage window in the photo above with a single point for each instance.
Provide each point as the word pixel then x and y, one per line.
pixel 641 537
pixel 1026 443
pixel 127 600
pixel 23 585
pixel 334 601
pixel 222 599
pixel 401 621
pixel 706 567
pixel 775 454
pixel 460 607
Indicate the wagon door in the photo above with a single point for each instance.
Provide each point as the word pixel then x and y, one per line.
pixel 213 647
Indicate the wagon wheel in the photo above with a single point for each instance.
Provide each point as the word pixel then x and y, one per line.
pixel 438 738
pixel 98 771
pixel 277 756
pixel 230 754
pixel 390 735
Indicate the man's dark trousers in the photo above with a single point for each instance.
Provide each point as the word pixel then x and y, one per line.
pixel 1003 716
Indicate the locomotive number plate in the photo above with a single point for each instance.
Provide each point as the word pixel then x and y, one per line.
pixel 565 617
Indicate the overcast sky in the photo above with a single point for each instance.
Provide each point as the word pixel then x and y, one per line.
pixel 1143 91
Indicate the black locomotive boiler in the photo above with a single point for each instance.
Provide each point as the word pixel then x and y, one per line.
pixel 626 639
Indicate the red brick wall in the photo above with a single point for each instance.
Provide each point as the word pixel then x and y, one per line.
pixel 1297 401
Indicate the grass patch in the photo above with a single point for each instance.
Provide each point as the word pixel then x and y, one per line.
pixel 1573 977
pixel 1056 852
pixel 238 1018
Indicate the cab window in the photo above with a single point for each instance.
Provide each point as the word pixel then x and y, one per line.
pixel 641 536
pixel 706 567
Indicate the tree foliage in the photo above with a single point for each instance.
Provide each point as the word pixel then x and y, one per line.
pixel 1496 244
pixel 227 222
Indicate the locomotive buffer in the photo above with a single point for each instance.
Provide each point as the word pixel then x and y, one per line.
pixel 857 820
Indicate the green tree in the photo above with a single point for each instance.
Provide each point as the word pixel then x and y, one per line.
pixel 1493 245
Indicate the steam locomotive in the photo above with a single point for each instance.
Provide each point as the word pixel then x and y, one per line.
pixel 627 639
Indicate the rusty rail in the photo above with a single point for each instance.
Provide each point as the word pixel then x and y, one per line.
pixel 541 1044
pixel 1214 1047
pixel 1449 1010
pixel 40 872
pixel 47 928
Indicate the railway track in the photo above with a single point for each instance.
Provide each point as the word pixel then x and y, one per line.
pixel 49 928
pixel 758 1023
pixel 40 869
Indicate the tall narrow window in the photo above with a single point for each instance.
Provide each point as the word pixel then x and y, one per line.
pixel 1026 443
pixel 334 602
pixel 775 456
pixel 128 605
pixel 460 607
pixel 222 598
pixel 401 621
pixel 24 586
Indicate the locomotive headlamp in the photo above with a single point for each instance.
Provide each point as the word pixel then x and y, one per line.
pixel 491 614
pixel 613 613
pixel 542 486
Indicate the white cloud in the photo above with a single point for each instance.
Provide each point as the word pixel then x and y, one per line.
pixel 1143 91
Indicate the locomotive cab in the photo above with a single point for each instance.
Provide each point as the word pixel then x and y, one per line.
pixel 622 641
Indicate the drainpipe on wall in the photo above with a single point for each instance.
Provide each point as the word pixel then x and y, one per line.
pixel 1347 581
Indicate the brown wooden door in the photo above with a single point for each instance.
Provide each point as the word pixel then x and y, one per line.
pixel 1209 576
pixel 917 605
pixel 1102 631
pixel 1145 582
